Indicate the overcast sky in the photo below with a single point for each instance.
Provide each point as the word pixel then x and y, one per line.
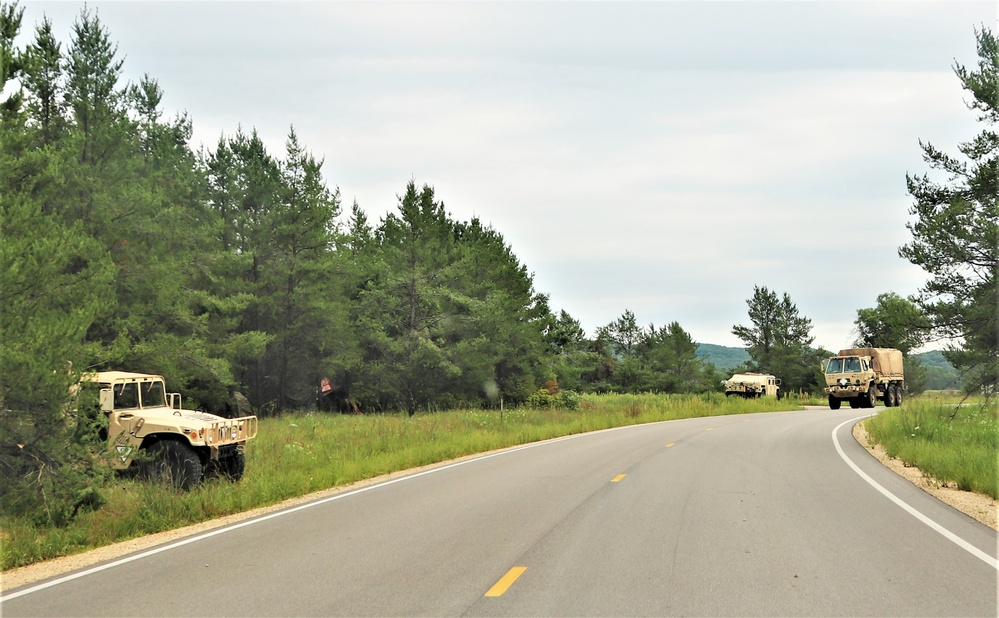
pixel 662 157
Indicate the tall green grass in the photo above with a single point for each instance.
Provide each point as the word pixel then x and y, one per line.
pixel 953 443
pixel 299 453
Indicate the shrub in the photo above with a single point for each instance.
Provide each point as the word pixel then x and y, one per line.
pixel 545 398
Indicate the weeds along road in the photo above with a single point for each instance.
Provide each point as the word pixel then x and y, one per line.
pixel 774 514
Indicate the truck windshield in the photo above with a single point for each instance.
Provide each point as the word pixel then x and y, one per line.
pixel 152 394
pixel 840 365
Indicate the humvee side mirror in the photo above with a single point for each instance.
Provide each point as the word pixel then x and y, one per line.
pixel 107 400
pixel 825 363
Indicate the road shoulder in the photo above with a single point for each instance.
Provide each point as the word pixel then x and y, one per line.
pixel 979 506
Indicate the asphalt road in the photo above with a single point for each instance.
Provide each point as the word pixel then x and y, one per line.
pixel 756 515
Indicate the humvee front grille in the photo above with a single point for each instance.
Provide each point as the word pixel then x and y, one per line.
pixel 231 430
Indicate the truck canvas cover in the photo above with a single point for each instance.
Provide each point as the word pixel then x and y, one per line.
pixel 884 361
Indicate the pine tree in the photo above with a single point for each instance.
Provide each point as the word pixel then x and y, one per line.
pixel 618 343
pixel 43 79
pixel 569 356
pixel 955 237
pixel 895 322
pixel 92 92
pixel 670 355
pixel 779 341
pixel 412 304
pixel 54 282
pixel 297 295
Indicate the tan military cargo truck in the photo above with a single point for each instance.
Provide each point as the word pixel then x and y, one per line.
pixel 751 385
pixel 148 429
pixel 864 375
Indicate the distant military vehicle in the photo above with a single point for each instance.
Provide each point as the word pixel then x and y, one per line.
pixel 751 385
pixel 146 426
pixel 864 375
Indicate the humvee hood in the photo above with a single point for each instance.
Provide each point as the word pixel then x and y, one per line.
pixel 187 415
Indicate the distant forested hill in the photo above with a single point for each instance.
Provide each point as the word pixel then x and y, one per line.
pixel 722 357
pixel 940 374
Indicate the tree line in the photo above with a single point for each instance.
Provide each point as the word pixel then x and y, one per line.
pixel 236 269
pixel 232 268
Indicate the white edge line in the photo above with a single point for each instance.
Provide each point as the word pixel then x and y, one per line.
pixel 309 505
pixel 950 536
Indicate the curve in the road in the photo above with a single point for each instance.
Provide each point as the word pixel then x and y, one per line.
pixel 582 520
pixel 950 536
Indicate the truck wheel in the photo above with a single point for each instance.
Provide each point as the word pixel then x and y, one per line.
pixel 834 402
pixel 898 395
pixel 872 397
pixel 174 464
pixel 233 467
pixel 889 398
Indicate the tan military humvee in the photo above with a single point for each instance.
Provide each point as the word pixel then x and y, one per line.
pixel 751 385
pixel 177 446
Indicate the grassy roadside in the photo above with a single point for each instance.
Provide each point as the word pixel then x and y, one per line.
pixel 951 442
pixel 300 453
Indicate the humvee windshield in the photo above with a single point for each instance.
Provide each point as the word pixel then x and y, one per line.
pixel 127 395
pixel 152 394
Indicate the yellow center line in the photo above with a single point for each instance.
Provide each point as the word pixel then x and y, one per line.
pixel 670 444
pixel 618 478
pixel 506 581
pixel 709 429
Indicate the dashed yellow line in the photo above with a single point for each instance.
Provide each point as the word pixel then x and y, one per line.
pixel 670 444
pixel 710 429
pixel 506 581
pixel 618 478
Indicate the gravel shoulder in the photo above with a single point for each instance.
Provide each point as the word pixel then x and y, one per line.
pixel 981 507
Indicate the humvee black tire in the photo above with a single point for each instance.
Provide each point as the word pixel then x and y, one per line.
pixel 855 402
pixel 232 467
pixel 834 402
pixel 174 464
